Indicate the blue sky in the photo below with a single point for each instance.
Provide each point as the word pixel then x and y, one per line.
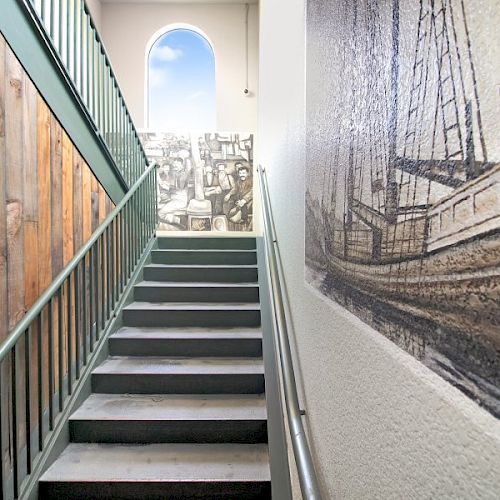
pixel 181 83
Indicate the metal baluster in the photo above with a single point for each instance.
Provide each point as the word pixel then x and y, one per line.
pixel 2 419
pixel 51 389
pixel 82 46
pixel 68 36
pixel 60 359
pixel 27 397
pixel 85 319
pixel 103 273
pixel 76 309
pixel 69 333
pixel 92 301
pixel 15 451
pixel 40 381
pixel 88 29
pixel 53 21
pixel 108 273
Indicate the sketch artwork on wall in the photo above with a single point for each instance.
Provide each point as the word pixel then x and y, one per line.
pixel 205 180
pixel 402 221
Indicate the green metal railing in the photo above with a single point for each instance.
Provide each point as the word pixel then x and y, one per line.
pixel 68 27
pixel 46 355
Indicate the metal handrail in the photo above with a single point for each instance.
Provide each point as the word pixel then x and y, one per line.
pixel 68 322
pixel 305 467
pixel 70 32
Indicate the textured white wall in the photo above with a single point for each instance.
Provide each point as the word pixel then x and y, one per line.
pixel 383 426
pixel 127 28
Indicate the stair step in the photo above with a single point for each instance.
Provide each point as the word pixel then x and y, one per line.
pixel 159 471
pixel 162 375
pixel 202 256
pixel 136 418
pixel 161 291
pixel 134 341
pixel 207 243
pixel 191 314
pixel 206 273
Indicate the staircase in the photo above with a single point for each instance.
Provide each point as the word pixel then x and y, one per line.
pixel 178 408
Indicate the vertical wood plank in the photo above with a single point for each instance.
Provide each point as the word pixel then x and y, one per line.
pixel 102 204
pixel 67 198
pixel 86 202
pixel 30 194
pixel 95 203
pixel 14 93
pixel 77 200
pixel 56 199
pixel 44 195
pixel 3 203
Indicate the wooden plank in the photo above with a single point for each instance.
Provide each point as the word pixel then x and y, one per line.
pixel 3 203
pixel 14 92
pixel 67 198
pixel 102 204
pixel 44 195
pixel 95 203
pixel 56 199
pixel 77 200
pixel 86 202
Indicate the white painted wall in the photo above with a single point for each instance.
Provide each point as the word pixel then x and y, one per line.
pixel 126 29
pixel 382 425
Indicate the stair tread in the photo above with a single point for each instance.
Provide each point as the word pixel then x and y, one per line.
pixel 129 332
pixel 204 250
pixel 200 284
pixel 166 462
pixel 145 365
pixel 193 306
pixel 152 407
pixel 205 266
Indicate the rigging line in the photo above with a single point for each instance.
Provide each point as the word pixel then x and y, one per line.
pixel 474 84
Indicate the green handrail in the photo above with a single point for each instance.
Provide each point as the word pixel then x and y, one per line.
pixel 69 29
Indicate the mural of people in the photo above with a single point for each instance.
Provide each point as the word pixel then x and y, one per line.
pixel 205 181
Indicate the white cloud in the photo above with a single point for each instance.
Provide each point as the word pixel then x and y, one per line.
pixel 157 77
pixel 196 95
pixel 167 53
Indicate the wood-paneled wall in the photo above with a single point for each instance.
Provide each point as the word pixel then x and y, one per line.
pixel 50 202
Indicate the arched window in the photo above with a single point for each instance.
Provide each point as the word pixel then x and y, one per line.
pixel 181 82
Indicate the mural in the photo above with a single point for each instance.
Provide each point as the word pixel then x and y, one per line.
pixel 205 181
pixel 403 177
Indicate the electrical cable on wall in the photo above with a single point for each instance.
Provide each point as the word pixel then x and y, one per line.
pixel 247 9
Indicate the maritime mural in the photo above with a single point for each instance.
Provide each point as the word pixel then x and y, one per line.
pixel 402 193
pixel 205 180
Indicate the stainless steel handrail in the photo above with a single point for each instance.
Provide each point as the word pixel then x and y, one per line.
pixel 305 467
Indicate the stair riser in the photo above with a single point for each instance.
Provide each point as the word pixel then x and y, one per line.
pixel 207 243
pixel 171 431
pixel 139 317
pixel 157 490
pixel 204 258
pixel 186 274
pixel 185 347
pixel 177 384
pixel 196 294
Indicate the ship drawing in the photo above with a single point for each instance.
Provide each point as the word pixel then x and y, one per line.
pixel 411 226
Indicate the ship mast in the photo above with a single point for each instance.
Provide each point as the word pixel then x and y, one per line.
pixel 391 205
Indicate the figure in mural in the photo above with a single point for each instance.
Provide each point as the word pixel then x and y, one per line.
pixel 403 203
pixel 240 199
pixel 205 182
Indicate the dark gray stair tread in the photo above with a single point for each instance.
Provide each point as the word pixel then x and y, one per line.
pixel 192 284
pixel 162 407
pixel 205 250
pixel 151 365
pixel 130 332
pixel 202 266
pixel 167 462
pixel 193 306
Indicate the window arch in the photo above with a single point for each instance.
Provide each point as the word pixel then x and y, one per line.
pixel 180 80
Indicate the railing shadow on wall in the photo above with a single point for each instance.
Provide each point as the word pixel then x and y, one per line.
pixel 70 33
pixel 50 352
